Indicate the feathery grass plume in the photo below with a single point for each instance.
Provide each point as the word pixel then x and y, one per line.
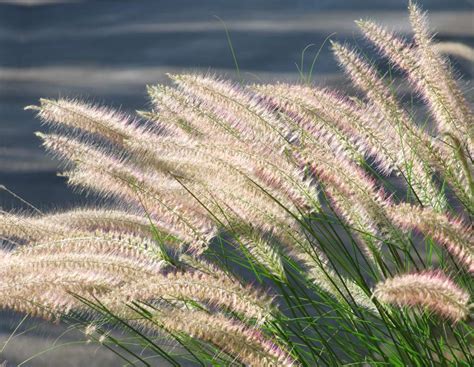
pixel 453 234
pixel 361 218
pixel 426 71
pixel 28 228
pixel 181 113
pixel 261 173
pixel 115 265
pixel 429 74
pixel 245 344
pixel 79 115
pixel 453 109
pixel 199 263
pixel 409 148
pixel 343 289
pixel 116 220
pixel 116 244
pixel 159 194
pixel 265 252
pixel 397 125
pixel 183 220
pixel 319 271
pixel 220 166
pixel 230 102
pixel 75 150
pixel 131 266
pixel 327 115
pixel 431 290
pixel 78 223
pixel 214 290
pixel 216 194
pixel 347 185
pixel 47 294
pixel 325 155
pixel 449 106
pixel 456 169
pixel 269 183
pixel 261 162
pixel 123 261
pixel 137 223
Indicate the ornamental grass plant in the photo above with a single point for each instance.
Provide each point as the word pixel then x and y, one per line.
pixel 263 225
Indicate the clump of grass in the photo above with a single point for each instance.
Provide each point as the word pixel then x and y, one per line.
pixel 257 224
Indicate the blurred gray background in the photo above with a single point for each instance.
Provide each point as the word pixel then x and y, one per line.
pixel 107 51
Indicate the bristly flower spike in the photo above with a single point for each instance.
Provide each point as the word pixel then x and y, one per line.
pixel 431 290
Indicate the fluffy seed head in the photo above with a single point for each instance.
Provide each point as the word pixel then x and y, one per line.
pixel 431 290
